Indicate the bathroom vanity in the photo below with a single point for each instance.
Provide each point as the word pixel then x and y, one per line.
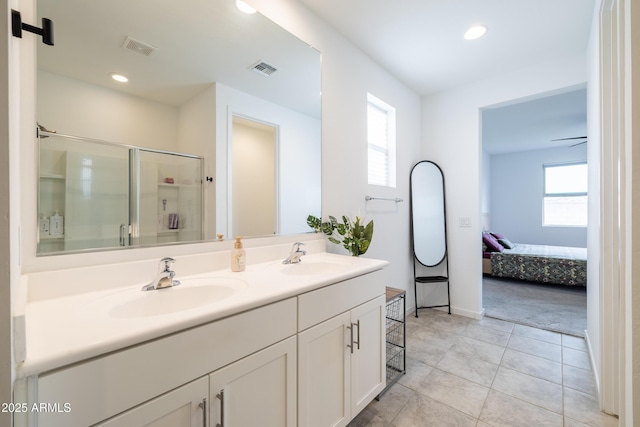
pixel 273 345
pixel 299 344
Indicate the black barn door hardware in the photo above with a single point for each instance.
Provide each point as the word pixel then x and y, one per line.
pixel 46 31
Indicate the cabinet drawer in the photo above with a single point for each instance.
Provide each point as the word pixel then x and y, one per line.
pixel 106 386
pixel 322 304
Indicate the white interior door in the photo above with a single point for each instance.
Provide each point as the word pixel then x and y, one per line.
pixel 253 178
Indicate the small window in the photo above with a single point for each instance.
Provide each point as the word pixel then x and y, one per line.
pixel 381 133
pixel 565 195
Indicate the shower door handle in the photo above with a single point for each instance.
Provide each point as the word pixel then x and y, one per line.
pixel 123 234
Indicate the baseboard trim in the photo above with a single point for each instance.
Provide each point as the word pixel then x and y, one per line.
pixel 478 315
pixel 596 372
pixel 454 310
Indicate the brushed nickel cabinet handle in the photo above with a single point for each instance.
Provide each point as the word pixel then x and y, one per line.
pixel 350 328
pixel 358 325
pixel 221 397
pixel 203 406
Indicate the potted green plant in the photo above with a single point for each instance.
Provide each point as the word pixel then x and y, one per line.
pixel 353 235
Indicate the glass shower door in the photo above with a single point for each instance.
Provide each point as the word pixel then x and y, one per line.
pixel 96 194
pixel 170 203
pixel 83 197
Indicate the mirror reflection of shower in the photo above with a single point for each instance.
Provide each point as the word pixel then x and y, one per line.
pixel 96 194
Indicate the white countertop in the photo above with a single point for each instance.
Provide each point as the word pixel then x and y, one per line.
pixel 67 329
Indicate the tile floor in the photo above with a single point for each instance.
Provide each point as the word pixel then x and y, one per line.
pixel 465 372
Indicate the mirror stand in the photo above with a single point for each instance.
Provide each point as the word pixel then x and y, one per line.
pixel 426 278
pixel 429 229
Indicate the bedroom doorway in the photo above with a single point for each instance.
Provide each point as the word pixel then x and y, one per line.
pixel 520 141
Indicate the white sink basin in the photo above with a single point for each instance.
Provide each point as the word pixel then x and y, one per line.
pixel 309 267
pixel 190 294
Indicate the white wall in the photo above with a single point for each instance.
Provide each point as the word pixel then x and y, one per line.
pixel 347 76
pixel 451 138
pixel 516 196
pixel 72 107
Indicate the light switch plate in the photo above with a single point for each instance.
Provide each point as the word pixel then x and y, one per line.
pixel 465 221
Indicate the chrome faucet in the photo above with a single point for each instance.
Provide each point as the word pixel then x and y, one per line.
pixel 295 255
pixel 165 278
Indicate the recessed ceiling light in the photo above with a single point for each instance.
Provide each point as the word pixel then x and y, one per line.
pixel 119 77
pixel 475 32
pixel 244 7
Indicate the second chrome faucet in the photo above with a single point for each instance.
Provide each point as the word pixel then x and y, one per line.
pixel 295 255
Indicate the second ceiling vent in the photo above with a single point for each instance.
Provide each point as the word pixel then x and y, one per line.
pixel 263 68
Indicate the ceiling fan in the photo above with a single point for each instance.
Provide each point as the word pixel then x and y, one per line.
pixel 574 137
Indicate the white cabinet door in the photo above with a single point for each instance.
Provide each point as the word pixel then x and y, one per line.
pixel 324 372
pixel 341 365
pixel 259 390
pixel 183 407
pixel 368 372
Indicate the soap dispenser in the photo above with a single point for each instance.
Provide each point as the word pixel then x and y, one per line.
pixel 238 255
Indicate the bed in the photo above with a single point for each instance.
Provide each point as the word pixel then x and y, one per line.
pixel 561 265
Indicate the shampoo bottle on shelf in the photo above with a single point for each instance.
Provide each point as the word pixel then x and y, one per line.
pixel 238 256
pixel 44 225
pixel 55 225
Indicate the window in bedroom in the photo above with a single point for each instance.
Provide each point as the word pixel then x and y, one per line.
pixel 565 195
pixel 381 135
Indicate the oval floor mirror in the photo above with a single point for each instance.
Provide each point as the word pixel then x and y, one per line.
pixel 429 230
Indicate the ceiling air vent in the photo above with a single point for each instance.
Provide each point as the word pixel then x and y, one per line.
pixel 263 68
pixel 138 47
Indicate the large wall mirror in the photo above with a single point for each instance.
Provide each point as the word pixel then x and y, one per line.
pixel 203 80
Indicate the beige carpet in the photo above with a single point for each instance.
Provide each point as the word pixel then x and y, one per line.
pixel 552 307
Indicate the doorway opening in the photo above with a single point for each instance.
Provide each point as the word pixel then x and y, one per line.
pixel 523 280
pixel 254 178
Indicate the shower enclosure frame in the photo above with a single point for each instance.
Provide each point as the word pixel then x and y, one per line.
pixel 132 233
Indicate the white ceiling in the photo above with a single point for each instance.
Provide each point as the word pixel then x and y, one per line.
pixel 533 125
pixel 421 43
